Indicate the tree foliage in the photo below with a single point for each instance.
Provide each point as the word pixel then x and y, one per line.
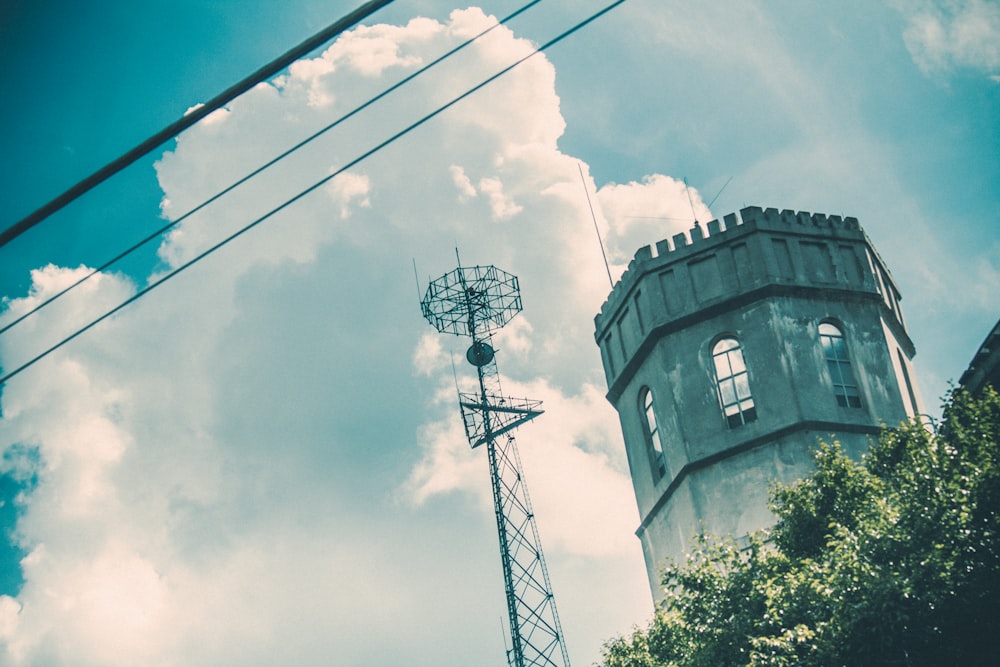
pixel 894 560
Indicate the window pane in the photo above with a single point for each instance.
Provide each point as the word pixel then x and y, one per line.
pixel 653 444
pixel 846 377
pixel 835 375
pixel 732 380
pixel 724 345
pixel 827 346
pixel 728 391
pixel 647 409
pixel 736 361
pixel 742 386
pixel 839 366
pixel 722 369
pixel 750 415
pixel 827 329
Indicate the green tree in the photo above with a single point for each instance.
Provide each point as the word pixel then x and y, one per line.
pixel 894 560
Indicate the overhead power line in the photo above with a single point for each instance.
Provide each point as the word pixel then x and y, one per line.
pixel 409 128
pixel 165 228
pixel 189 119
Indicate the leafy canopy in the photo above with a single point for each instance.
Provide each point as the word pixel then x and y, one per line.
pixel 891 561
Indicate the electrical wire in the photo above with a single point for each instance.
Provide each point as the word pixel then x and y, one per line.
pixel 189 119
pixel 409 128
pixel 162 230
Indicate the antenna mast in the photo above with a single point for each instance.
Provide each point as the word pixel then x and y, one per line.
pixel 475 302
pixel 690 201
pixel 600 241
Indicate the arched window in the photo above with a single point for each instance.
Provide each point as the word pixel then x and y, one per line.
pixel 839 366
pixel 654 447
pixel 733 383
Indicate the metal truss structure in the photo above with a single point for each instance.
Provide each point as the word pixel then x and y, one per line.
pixel 475 302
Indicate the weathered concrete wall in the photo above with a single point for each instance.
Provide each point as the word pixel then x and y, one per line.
pixel 730 497
pixel 769 281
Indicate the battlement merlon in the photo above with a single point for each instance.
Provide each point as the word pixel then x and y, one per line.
pixel 700 238
pixel 741 253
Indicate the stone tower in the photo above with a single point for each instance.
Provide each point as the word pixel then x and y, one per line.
pixel 732 351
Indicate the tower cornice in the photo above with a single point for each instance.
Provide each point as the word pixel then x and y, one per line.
pixel 724 265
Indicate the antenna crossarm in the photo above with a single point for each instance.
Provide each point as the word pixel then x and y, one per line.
pixel 510 427
pixel 488 416
pixel 486 407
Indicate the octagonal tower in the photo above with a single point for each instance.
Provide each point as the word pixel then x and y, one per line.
pixel 732 350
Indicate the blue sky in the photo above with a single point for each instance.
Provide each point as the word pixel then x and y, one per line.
pixel 283 416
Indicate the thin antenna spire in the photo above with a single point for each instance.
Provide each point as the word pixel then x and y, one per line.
pixel 593 216
pixel 719 192
pixel 690 201
pixel 454 371
pixel 506 649
pixel 416 279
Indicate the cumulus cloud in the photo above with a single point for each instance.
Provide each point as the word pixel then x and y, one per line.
pixel 462 182
pixel 262 460
pixel 942 35
pixel 573 465
pixel 640 213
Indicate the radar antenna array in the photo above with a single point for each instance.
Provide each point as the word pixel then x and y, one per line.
pixel 475 302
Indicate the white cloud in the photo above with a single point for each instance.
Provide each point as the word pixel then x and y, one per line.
pixel 501 205
pixel 429 355
pixel 574 447
pixel 643 213
pixel 462 182
pixel 447 464
pixel 945 34
pixel 350 190
pixel 262 461
pixel 372 49
pixel 515 338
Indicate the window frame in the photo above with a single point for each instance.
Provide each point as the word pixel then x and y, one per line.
pixel 839 369
pixel 733 389
pixel 651 431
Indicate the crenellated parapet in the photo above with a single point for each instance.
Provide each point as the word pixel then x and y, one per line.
pixel 759 251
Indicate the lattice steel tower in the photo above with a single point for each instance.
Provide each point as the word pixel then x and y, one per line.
pixel 475 302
